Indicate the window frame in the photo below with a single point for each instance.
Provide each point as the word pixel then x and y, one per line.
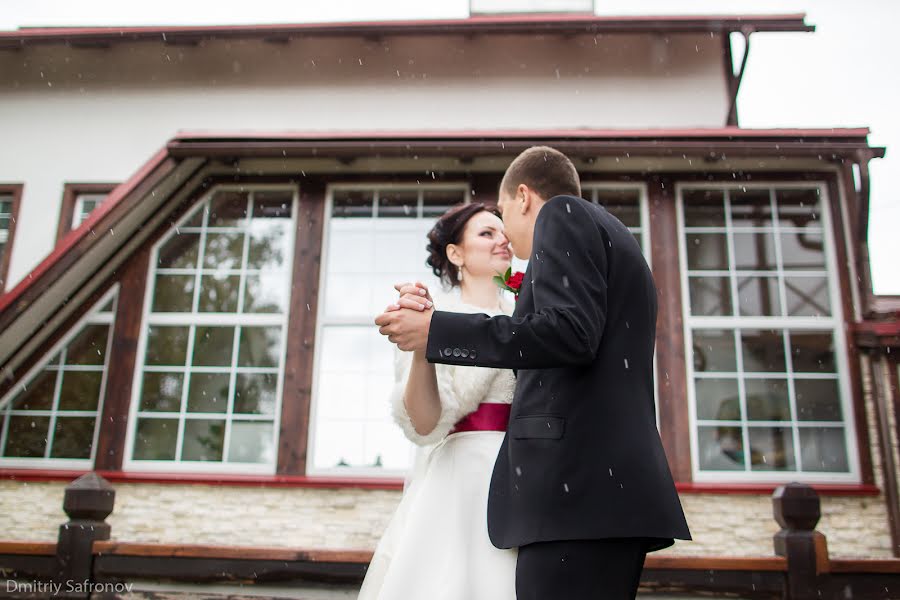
pixel 129 463
pixel 71 202
pixel 376 473
pixel 834 324
pixel 15 190
pixel 90 316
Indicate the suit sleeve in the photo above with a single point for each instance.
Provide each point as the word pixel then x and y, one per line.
pixel 569 278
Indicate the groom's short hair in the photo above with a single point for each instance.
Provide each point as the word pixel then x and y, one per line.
pixel 543 169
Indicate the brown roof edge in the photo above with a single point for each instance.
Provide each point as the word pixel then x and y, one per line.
pixel 716 143
pixel 158 162
pixel 528 24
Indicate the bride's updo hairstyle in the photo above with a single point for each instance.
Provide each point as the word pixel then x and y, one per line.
pixel 449 230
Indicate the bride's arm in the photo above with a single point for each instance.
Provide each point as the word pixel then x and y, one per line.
pixel 421 398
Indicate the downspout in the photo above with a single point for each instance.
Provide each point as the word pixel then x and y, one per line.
pixel 735 81
pixel 863 268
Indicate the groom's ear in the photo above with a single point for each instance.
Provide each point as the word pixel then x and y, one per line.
pixel 527 198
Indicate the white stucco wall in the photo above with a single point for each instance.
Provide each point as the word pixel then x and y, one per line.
pixel 93 114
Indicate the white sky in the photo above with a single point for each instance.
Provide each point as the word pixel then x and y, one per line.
pixel 839 76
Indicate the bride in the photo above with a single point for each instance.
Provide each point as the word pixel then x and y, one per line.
pixel 436 545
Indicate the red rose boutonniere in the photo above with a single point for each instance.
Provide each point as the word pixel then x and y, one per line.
pixel 510 281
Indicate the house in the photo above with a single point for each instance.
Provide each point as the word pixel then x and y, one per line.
pixel 199 224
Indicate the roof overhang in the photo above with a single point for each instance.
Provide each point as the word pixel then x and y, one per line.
pixel 711 143
pixel 86 256
pixel 479 25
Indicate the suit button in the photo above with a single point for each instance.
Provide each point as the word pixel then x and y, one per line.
pixel 456 352
pixel 447 351
pixel 471 354
pixel 465 353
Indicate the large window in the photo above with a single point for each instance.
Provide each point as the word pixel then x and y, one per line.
pixel 50 418
pixel 374 238
pixel 767 379
pixel 211 360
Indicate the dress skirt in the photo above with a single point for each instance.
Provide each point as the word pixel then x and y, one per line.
pixel 436 545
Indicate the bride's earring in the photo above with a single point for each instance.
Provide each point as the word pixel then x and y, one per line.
pixel 459 273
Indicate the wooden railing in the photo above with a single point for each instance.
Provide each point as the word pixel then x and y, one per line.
pixel 800 569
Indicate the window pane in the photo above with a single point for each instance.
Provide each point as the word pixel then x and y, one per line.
pixel 717 399
pixel 823 449
pixel 398 204
pixel 37 393
pixel 812 352
pixel 763 350
pixel 156 439
pixel 751 208
pixel 213 346
pixel 767 400
pixel 798 207
pixel 173 293
pixel 710 296
pixel 803 251
pixel 208 392
pixel 268 244
pixel 260 347
pixel 181 251
pixel 754 251
pixel 161 392
pixel 771 449
pixel 704 208
pixel 224 250
pixel 255 393
pixel 707 251
pixel 720 448
pixel 272 204
pixel 622 204
pixel 89 346
pixel 807 296
pixel 80 390
pixel 758 296
pixel 267 293
pixel 73 437
pixel 352 204
pixel 203 439
pixel 228 209
pixel 818 400
pixel 252 442
pixel 196 218
pixel 27 436
pixel 219 293
pixel 166 345
pixel 714 350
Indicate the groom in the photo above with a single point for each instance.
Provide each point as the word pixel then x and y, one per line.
pixel 581 484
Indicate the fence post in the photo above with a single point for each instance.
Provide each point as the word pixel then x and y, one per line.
pixel 797 509
pixel 88 501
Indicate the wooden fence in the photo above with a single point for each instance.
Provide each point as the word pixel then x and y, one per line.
pixel 800 568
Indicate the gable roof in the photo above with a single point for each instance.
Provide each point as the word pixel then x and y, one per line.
pixel 527 24
pixel 90 253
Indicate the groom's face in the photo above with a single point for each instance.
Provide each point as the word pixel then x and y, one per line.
pixel 515 224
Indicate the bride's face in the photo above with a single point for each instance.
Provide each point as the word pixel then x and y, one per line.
pixel 483 250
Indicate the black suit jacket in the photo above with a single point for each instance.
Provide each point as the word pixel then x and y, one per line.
pixel 582 458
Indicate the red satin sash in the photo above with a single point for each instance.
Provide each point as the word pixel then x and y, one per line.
pixel 489 416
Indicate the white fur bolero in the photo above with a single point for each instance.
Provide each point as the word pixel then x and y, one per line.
pixel 461 388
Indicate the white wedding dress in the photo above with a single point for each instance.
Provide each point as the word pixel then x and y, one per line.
pixel 436 546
